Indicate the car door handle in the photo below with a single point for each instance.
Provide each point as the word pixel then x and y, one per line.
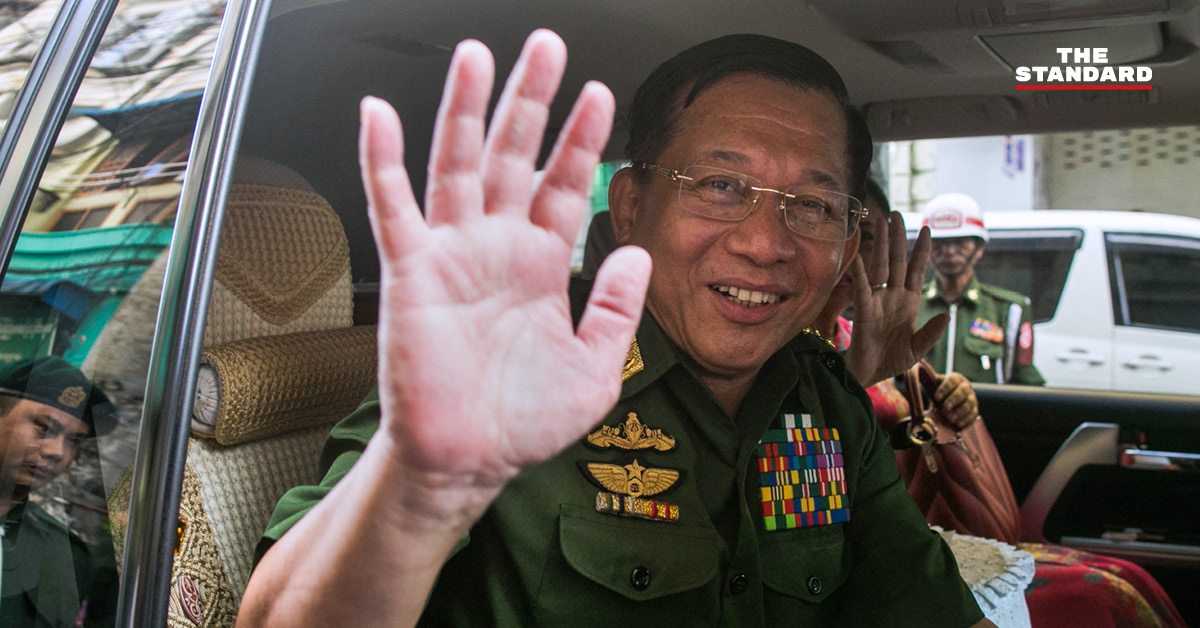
pixel 1081 355
pixel 1147 362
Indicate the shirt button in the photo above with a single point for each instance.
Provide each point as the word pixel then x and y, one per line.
pixel 737 584
pixel 830 362
pixel 640 578
pixel 814 585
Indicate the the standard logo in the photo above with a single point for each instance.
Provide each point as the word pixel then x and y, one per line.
pixel 1084 68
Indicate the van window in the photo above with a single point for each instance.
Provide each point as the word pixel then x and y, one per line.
pixel 1033 263
pixel 1156 281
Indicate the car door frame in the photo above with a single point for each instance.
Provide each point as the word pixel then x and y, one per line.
pixel 40 109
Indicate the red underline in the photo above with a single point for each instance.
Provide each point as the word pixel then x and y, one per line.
pixel 1090 87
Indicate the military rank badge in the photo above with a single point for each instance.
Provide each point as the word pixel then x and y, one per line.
pixel 987 330
pixel 801 476
pixel 628 485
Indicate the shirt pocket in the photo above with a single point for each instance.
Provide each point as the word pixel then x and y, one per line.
pixel 979 347
pixel 609 571
pixel 804 566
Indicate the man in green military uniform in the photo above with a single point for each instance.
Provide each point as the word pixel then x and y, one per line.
pixel 739 480
pixel 990 335
pixel 50 576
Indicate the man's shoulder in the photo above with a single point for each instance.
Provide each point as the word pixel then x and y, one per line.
pixel 1003 294
pixel 37 517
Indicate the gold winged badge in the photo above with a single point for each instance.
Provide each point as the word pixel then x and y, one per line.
pixel 632 479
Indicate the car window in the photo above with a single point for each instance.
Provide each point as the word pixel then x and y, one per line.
pixel 1033 263
pixel 23 26
pixel 1075 220
pixel 85 277
pixel 1157 281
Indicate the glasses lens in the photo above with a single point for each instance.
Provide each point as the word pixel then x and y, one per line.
pixel 716 193
pixel 822 214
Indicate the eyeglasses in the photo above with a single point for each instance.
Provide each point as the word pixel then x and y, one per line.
pixel 725 195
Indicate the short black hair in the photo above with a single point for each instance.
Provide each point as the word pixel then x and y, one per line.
pixel 661 99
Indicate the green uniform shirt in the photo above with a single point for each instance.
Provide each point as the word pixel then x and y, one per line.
pixel 989 327
pixel 549 551
pixel 48 571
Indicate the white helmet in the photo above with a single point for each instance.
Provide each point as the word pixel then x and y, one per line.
pixel 954 216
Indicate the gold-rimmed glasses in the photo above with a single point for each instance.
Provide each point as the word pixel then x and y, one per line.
pixel 731 196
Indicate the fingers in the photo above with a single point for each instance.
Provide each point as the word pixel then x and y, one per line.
pixel 562 195
pixel 454 189
pixel 614 308
pixel 395 217
pixel 878 263
pixel 862 285
pixel 925 337
pixel 897 251
pixel 920 257
pixel 519 122
pixel 957 401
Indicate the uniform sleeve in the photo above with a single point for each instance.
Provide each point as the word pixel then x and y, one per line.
pixel 345 446
pixel 903 574
pixel 1025 372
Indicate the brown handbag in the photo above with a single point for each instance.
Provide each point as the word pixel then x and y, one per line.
pixel 955 477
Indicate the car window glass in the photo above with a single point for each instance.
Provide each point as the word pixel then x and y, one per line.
pixel 86 273
pixel 1033 263
pixel 23 26
pixel 1157 279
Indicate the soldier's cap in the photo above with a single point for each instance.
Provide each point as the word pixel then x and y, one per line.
pixel 53 381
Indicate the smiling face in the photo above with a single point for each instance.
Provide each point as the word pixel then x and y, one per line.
pixel 37 443
pixel 730 294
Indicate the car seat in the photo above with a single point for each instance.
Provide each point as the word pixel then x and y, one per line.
pixel 281 362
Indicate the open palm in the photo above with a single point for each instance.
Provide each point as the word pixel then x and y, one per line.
pixel 887 298
pixel 481 372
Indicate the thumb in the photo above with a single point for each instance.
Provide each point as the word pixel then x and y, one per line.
pixel 925 337
pixel 615 308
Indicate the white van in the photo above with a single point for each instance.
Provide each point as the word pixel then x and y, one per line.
pixel 1116 295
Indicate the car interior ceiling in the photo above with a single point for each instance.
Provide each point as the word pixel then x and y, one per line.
pixel 941 68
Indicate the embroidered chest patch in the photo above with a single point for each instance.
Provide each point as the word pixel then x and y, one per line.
pixel 800 475
pixel 987 330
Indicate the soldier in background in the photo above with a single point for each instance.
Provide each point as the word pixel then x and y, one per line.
pixel 50 576
pixel 990 336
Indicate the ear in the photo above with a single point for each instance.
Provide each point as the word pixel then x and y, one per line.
pixel 979 246
pixel 623 199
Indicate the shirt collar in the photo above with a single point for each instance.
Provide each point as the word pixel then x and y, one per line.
pixel 932 291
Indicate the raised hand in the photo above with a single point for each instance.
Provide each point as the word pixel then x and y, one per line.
pixel 887 297
pixel 481 372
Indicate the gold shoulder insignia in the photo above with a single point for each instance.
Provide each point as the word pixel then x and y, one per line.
pixel 631 435
pixel 633 361
pixel 632 479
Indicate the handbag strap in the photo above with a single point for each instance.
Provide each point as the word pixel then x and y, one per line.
pixel 920 429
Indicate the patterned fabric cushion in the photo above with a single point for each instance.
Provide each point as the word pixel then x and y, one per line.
pixel 260 387
pixel 240 487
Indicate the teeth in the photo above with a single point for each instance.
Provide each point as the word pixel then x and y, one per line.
pixel 747 298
